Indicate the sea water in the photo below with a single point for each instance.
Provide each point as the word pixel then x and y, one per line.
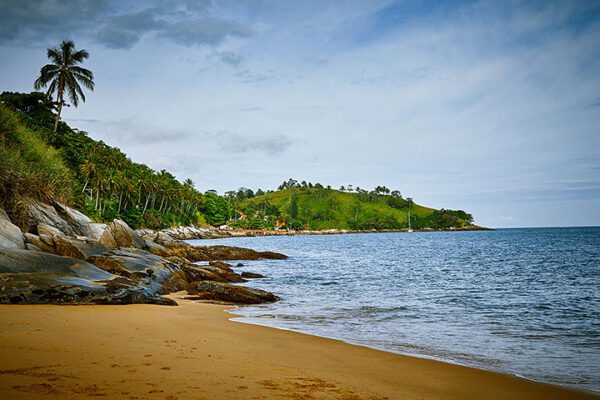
pixel 520 301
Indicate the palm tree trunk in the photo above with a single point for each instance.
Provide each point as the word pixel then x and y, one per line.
pixel 59 98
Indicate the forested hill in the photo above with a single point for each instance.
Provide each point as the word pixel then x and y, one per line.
pixel 315 207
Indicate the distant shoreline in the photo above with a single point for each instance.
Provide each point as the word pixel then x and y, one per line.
pixel 192 232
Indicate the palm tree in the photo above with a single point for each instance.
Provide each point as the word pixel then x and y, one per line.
pixel 64 75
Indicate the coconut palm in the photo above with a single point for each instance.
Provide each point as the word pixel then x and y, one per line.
pixel 64 74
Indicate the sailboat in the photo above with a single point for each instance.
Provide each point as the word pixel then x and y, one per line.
pixel 409 228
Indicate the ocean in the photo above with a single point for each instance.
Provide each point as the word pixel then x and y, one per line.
pixel 519 301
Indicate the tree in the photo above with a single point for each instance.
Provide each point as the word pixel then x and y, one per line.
pixel 64 74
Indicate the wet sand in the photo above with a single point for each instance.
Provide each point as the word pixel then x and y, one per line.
pixel 194 352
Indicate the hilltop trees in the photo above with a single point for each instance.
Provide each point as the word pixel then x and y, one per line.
pixel 64 75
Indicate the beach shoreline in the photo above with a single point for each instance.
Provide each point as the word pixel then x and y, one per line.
pixel 195 351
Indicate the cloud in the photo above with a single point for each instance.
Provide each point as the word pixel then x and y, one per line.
pixel 235 143
pixel 205 31
pixel 128 131
pixel 247 76
pixel 185 23
pixel 231 58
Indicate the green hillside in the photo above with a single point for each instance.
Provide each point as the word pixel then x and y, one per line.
pixel 71 167
pixel 319 208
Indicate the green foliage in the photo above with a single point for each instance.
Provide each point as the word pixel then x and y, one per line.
pixel 307 206
pixel 215 209
pixel 28 167
pixel 95 177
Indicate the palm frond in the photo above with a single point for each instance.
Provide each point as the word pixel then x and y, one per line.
pixel 78 57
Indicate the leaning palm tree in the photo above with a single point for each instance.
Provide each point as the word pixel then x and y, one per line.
pixel 65 75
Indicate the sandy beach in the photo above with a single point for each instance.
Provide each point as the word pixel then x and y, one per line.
pixel 194 351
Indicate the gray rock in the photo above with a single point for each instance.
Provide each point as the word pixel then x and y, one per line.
pixel 76 248
pixel 45 243
pixel 79 223
pixel 32 247
pixel 44 229
pixel 4 215
pixel 10 235
pixel 36 277
pixel 118 234
pixel 40 213
pixel 225 292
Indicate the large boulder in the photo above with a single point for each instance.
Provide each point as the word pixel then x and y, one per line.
pixel 10 235
pixel 79 223
pixel 219 272
pixel 118 234
pixel 225 292
pixel 40 213
pixel 35 277
pixel 76 248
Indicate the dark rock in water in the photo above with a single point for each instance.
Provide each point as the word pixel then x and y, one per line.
pixel 35 277
pixel 209 253
pixel 271 255
pixel 82 249
pixel 10 235
pixel 239 265
pixel 251 275
pixel 118 234
pixel 206 273
pixel 225 292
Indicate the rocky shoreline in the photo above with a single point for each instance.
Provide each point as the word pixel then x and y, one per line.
pixel 65 258
pixel 194 232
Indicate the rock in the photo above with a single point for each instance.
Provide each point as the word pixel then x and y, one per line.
pixel 44 242
pixel 44 229
pixel 208 253
pixel 35 277
pixel 169 242
pixel 76 248
pixel 4 215
pixel 10 235
pixel 79 223
pixel 119 234
pixel 251 275
pixel 146 269
pixel 239 265
pixel 271 255
pixel 40 213
pixel 32 247
pixel 95 230
pixel 206 273
pixel 225 292
pixel 156 248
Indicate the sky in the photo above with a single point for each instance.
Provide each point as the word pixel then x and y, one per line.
pixel 492 107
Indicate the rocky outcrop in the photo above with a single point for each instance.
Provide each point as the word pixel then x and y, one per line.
pixel 76 248
pixel 43 242
pixel 227 293
pixel 251 275
pixel 78 222
pixel 118 234
pixel 36 277
pixel 43 229
pixel 146 269
pixel 40 213
pixel 10 235
pixel 210 253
